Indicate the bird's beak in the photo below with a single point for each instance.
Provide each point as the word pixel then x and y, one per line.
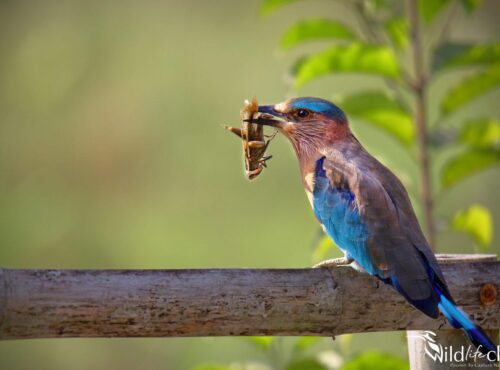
pixel 267 116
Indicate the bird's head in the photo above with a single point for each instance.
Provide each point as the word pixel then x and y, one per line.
pixel 309 123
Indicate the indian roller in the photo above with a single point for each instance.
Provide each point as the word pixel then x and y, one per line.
pixel 364 208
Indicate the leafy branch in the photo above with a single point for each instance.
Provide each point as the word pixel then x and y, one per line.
pixel 407 46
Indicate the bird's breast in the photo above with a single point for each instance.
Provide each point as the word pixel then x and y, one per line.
pixel 308 172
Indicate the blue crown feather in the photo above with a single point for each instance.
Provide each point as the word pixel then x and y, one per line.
pixel 322 106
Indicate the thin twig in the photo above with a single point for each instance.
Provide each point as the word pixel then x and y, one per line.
pixel 369 29
pixel 447 22
pixel 420 116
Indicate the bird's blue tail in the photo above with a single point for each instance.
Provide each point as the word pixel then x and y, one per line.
pixel 458 319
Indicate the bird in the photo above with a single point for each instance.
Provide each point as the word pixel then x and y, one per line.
pixel 365 208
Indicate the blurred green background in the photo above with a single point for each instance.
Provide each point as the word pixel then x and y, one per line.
pixel 112 154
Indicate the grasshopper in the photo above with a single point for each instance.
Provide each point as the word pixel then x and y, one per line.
pixel 254 140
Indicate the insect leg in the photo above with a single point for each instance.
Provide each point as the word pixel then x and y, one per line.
pixel 234 130
pixel 257 144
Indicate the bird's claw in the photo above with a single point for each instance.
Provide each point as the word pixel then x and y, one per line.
pixel 335 262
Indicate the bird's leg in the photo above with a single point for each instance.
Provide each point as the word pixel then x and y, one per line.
pixel 335 262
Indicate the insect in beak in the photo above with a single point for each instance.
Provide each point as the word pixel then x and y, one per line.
pixel 254 140
pixel 267 117
pixel 264 120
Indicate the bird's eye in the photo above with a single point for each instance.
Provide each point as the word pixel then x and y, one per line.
pixel 302 113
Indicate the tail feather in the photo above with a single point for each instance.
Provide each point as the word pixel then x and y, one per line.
pixel 458 319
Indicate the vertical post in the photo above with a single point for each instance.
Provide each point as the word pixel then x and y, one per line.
pixel 450 348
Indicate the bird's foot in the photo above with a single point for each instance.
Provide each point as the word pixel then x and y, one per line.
pixel 335 262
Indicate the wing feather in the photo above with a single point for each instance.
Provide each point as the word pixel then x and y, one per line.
pixel 395 245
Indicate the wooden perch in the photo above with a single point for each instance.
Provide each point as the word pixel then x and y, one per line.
pixel 222 302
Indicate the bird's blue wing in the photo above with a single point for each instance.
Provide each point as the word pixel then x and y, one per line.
pixel 355 206
pixel 335 207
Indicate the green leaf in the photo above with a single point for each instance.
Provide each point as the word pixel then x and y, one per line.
pixel 315 29
pixel 234 366
pixel 345 341
pixel 468 163
pixel 452 54
pixel 382 111
pixel 429 9
pixel 305 342
pixel 261 342
pixel 374 360
pixel 446 52
pixel 306 364
pixel 375 7
pixel 475 221
pixel 269 6
pixel 470 5
pixel 356 58
pixel 481 133
pixel 470 88
pixel 397 29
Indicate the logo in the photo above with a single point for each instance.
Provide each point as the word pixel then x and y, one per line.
pixel 458 356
